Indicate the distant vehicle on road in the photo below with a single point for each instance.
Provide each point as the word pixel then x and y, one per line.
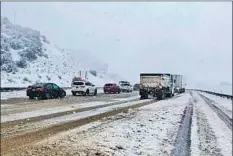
pixel 83 87
pixel 45 91
pixel 136 87
pixel 126 87
pixel 179 83
pixel 124 82
pixel 111 88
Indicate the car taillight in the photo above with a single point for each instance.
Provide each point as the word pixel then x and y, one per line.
pixel 41 89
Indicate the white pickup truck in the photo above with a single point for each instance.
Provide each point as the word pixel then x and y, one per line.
pixel 126 87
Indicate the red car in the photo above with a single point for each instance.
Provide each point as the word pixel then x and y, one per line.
pixel 111 88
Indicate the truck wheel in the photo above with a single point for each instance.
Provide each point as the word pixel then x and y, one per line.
pixel 31 97
pixel 159 97
pixel 87 92
pixel 95 93
pixel 169 95
pixel 145 96
pixel 48 96
pixel 41 97
pixel 63 94
pixel 74 93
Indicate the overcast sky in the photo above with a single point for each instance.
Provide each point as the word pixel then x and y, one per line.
pixel 193 39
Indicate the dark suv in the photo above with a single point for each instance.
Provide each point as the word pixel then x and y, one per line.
pixel 136 87
pixel 45 91
pixel 111 88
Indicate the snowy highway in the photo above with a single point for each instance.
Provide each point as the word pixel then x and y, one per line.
pixel 118 124
pixel 132 79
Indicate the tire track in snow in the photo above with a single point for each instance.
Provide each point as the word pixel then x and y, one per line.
pixel 34 105
pixel 182 142
pixel 53 115
pixel 207 144
pixel 195 142
pixel 225 118
pixel 208 141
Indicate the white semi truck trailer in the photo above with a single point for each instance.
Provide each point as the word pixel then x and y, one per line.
pixel 183 84
pixel 177 79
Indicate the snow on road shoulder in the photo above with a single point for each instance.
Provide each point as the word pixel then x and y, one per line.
pixel 151 130
pixel 13 94
pixel 222 103
pixel 220 130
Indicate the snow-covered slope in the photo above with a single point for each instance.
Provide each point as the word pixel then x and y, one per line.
pixel 28 57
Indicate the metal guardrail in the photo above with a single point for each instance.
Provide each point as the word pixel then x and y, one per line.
pixel 214 93
pixel 9 89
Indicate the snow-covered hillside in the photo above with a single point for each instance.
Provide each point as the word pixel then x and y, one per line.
pixel 28 57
